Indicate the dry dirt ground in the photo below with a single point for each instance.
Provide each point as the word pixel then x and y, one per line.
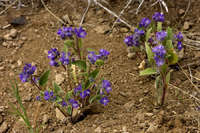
pixel 131 109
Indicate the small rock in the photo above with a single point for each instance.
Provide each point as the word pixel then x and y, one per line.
pixel 152 128
pixel 7 37
pixel 28 98
pixel 13 33
pixel 186 25
pixel 5 44
pixel 181 54
pixel 3 127
pixel 60 116
pixel 46 119
pixel 142 65
pixel 181 12
pixel 19 62
pixel 141 100
pixel 59 78
pixel 131 55
pixel 149 114
pixel 124 30
pixel 24 38
pixel 102 29
pixel 13 66
pixel 2 68
pixel 97 130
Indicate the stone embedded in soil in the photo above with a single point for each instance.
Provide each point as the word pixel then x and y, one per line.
pixel 46 119
pixel 181 12
pixel 131 55
pixel 59 115
pixel 2 68
pixel 124 30
pixel 152 128
pixel 102 29
pixel 19 62
pixel 13 33
pixel 4 127
pixel 128 106
pixel 148 114
pixel 97 130
pixel 7 37
pixel 186 25
pixel 59 79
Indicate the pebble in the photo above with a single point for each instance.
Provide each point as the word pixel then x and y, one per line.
pixel 7 37
pixel 13 33
pixel 131 55
pixel 124 30
pixel 59 115
pixel 46 119
pixel 59 78
pixel 181 12
pixel 24 38
pixel 4 127
pixel 152 128
pixel 149 114
pixel 28 98
pixel 97 130
pixel 2 68
pixel 186 25
pixel 102 29
pixel 19 62
pixel 142 65
pixel 129 105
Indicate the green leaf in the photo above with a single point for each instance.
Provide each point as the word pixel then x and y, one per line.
pixel 68 95
pixel 94 73
pixel 149 52
pixel 164 68
pixel 57 88
pixel 169 45
pixel 168 77
pixel 44 78
pixel 169 33
pixel 99 62
pixel 58 99
pixel 159 26
pixel 69 43
pixel 148 34
pixel 69 109
pixel 148 71
pixel 96 97
pixel 172 57
pixel 81 64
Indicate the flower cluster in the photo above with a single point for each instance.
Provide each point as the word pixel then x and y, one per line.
pixel 144 23
pixel 68 32
pixel 27 73
pixel 179 37
pixel 160 36
pixel 159 55
pixel 54 54
pixel 93 57
pixel 158 17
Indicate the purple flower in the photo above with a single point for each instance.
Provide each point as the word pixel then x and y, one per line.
pixel 92 57
pixel 103 53
pixel 85 93
pixel 54 63
pixel 159 52
pixel 179 45
pixel 77 89
pixel 38 98
pixel 64 59
pixel 104 101
pixel 144 22
pixel 179 36
pixel 132 40
pixel 53 53
pixel 151 40
pixel 160 36
pixel 80 32
pixel 139 32
pixel 158 17
pixel 63 103
pixel 74 103
pixel 107 86
pixel 48 95
pixel 65 32
pixel 28 70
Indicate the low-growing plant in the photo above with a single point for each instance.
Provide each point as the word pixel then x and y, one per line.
pixel 157 44
pixel 85 87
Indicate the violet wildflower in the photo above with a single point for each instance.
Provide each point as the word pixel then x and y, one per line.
pixel 129 40
pixel 74 103
pixel 160 36
pixel 179 45
pixel 139 32
pixel 49 96
pixel 80 32
pixel 54 63
pixel 93 57
pixel 63 103
pixel 53 53
pixel 104 101
pixel 103 53
pixel 64 59
pixel 38 98
pixel 158 17
pixel 77 89
pixel 144 22
pixel 65 32
pixel 150 40
pixel 179 36
pixel 28 70
pixel 159 52
pixel 106 85
pixel 85 93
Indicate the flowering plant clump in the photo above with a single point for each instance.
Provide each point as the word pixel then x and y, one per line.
pixel 159 47
pixel 84 86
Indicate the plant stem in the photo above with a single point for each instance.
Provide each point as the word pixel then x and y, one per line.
pixel 32 81
pixel 164 88
pixel 77 47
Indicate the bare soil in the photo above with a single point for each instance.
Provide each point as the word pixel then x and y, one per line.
pixel 131 108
